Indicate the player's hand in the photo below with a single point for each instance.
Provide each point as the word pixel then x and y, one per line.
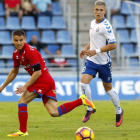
pixel 21 90
pixel 82 54
pixel 90 53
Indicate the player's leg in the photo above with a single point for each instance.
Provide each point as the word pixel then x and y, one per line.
pixel 25 98
pixel 51 105
pixel 115 99
pixel 89 72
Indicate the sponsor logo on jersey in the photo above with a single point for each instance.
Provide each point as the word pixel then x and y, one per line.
pixel 25 66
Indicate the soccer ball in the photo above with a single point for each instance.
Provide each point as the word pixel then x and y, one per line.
pixel 84 133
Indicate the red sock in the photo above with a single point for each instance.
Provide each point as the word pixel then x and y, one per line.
pixel 67 107
pixel 22 116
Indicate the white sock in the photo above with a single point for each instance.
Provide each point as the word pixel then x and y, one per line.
pixel 86 90
pixel 115 99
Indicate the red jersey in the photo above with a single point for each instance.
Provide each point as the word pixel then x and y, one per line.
pixel 27 58
pixel 12 3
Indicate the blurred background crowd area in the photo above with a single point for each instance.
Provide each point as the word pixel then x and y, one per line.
pixel 51 26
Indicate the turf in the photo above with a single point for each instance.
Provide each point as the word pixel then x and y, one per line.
pixel 41 126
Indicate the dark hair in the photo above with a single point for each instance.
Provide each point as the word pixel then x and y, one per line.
pixel 100 3
pixel 19 33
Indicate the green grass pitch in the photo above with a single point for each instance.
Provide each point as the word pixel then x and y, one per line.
pixel 41 126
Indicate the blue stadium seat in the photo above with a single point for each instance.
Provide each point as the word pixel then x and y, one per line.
pixel 28 23
pixel 44 22
pixel 53 48
pixel 2 11
pixel 5 37
pixel 119 21
pixel 56 9
pixel 2 64
pixel 48 37
pixel 2 23
pixel 9 63
pixel 129 49
pixel 43 52
pixel 123 36
pixel 136 49
pixel 72 62
pixel 29 35
pixel 8 50
pixel 12 23
pixel 133 36
pixel 130 21
pixel 47 63
pixel 67 50
pixel 58 22
pixel 125 8
pixel 133 61
pixel 63 37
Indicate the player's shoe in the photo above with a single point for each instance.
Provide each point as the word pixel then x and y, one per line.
pixel 86 101
pixel 17 134
pixel 87 116
pixel 119 119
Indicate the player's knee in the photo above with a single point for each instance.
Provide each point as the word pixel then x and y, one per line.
pixel 53 113
pixel 107 88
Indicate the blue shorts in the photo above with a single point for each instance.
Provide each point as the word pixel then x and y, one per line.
pixel 103 70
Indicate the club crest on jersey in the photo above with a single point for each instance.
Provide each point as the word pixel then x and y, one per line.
pixel 97 29
pixel 23 59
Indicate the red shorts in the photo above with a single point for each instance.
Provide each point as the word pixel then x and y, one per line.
pixel 45 87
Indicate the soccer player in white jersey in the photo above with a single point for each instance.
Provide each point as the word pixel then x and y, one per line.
pixel 102 41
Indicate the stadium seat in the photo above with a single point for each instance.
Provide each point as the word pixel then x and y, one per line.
pixel 133 36
pixel 12 23
pixel 125 8
pixel 56 9
pixel 2 23
pixel 58 22
pixel 131 22
pixel 2 12
pixel 8 50
pixel 120 18
pixel 63 37
pixel 123 36
pixel 129 49
pixel 43 52
pixel 29 35
pixel 5 37
pixel 67 50
pixel 28 23
pixel 9 63
pixel 53 48
pixel 137 49
pixel 72 62
pixel 48 37
pixel 133 61
pixel 2 64
pixel 47 63
pixel 44 22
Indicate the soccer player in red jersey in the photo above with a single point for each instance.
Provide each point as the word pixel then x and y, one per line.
pixel 41 84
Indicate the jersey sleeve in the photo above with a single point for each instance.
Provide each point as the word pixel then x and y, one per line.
pixel 32 56
pixel 16 62
pixel 108 33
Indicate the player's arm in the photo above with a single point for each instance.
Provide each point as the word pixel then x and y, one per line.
pixel 13 73
pixel 34 77
pixel 108 47
pixel 83 52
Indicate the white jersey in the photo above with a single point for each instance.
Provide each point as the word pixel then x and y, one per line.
pixel 101 34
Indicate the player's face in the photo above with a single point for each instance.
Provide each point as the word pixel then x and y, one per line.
pixel 19 41
pixel 99 12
